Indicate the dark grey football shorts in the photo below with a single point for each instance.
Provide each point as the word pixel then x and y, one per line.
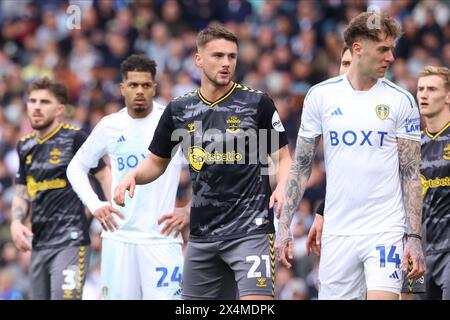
pixel 58 274
pixel 229 269
pixel 437 277
pixel 412 286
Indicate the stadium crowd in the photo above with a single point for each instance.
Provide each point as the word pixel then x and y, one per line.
pixel 285 48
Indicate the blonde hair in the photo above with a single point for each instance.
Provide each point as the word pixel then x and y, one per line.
pixel 442 72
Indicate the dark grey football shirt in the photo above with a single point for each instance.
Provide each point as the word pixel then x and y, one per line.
pixel 435 176
pixel 57 214
pixel 227 143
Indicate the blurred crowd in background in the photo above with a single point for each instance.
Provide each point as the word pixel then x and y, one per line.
pixel 285 48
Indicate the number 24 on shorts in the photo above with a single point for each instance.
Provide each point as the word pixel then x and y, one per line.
pixel 175 277
pixel 392 256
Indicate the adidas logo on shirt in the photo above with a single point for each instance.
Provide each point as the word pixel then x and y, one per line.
pixel 121 139
pixel 394 275
pixel 337 112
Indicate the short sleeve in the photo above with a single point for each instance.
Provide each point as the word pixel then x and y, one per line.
pixel 270 120
pixel 162 144
pixel 90 149
pixel 408 121
pixel 20 175
pixel 311 121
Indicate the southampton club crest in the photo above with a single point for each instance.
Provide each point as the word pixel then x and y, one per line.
pixel 447 152
pixel 382 111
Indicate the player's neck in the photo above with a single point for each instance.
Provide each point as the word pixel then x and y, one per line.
pixel 139 114
pixel 359 81
pixel 436 123
pixel 42 133
pixel 212 92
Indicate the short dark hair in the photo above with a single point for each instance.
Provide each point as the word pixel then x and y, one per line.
pixel 369 25
pixel 57 89
pixel 345 48
pixel 213 32
pixel 139 63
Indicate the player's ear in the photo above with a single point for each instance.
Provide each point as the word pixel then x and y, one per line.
pixel 60 110
pixel 122 88
pixel 357 48
pixel 198 60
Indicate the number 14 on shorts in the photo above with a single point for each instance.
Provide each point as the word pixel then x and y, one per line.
pixel 392 257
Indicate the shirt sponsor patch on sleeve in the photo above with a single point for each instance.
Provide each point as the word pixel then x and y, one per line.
pixel 412 125
pixel 276 122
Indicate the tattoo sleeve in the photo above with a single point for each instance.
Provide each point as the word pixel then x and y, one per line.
pixel 20 203
pixel 409 158
pixel 298 177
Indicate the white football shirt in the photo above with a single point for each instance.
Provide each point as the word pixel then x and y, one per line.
pixel 360 131
pixel 126 140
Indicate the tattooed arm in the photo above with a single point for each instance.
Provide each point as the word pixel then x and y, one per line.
pixel 295 187
pixel 19 210
pixel 409 158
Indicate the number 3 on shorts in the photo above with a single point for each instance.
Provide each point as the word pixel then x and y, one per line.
pixel 252 273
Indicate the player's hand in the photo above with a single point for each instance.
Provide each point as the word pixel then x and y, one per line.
pixel 278 197
pixel 20 235
pixel 127 183
pixel 176 220
pixel 104 215
pixel 414 252
pixel 315 236
pixel 284 245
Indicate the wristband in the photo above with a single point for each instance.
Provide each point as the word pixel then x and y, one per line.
pixel 413 235
pixel 321 208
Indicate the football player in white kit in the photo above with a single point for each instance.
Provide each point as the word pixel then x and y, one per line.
pixel 137 262
pixel 371 135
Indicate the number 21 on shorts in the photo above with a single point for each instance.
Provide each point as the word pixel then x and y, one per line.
pixel 256 261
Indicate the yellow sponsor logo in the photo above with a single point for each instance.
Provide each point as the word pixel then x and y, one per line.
pixel 447 152
pixel 198 156
pixel 233 122
pixel 382 111
pixel 433 183
pixel 261 282
pixel 34 186
pixel 54 156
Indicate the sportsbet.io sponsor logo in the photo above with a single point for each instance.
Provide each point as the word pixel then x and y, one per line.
pixel 232 144
pixel 198 156
pixel 433 183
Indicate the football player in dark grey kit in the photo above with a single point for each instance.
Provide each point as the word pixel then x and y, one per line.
pixel 59 227
pixel 433 95
pixel 231 221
